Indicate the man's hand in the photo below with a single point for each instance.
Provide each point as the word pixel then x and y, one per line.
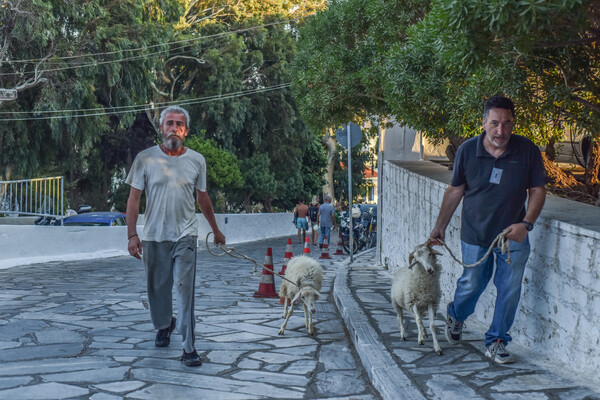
pixel 516 232
pixel 437 233
pixel 219 237
pixel 135 247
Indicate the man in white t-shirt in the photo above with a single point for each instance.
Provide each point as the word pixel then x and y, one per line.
pixel 170 174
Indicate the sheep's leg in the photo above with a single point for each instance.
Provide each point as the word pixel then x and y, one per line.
pixel 287 318
pixel 285 307
pixel 420 326
pixel 306 312
pixel 436 345
pixel 400 315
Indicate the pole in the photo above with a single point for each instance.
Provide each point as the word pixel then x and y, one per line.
pixel 350 222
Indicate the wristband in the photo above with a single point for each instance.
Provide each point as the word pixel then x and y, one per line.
pixel 135 234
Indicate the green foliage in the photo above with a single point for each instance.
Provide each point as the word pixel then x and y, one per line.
pixel 222 169
pixel 431 66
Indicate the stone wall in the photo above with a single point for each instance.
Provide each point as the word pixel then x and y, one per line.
pixel 30 244
pixel 559 312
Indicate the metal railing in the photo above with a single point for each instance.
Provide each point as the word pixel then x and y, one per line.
pixel 40 196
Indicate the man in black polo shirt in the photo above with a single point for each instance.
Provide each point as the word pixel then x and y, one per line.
pixel 493 173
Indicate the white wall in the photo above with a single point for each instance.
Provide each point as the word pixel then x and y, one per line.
pixel 30 244
pixel 559 312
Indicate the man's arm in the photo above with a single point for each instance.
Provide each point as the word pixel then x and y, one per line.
pixel 134 244
pixel 452 197
pixel 537 197
pixel 207 209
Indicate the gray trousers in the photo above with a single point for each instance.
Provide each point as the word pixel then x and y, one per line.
pixel 169 263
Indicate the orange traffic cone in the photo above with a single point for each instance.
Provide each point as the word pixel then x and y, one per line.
pixel 266 288
pixel 339 251
pixel 325 252
pixel 287 256
pixel 307 246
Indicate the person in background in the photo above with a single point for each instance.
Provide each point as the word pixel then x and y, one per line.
pixel 313 211
pixel 326 220
pixel 301 212
pixel 170 174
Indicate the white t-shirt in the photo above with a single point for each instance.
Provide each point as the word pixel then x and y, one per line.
pixel 170 183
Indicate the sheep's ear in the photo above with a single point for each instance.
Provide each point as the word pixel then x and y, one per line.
pixel 296 297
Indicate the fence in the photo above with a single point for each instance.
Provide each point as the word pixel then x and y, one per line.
pixel 41 196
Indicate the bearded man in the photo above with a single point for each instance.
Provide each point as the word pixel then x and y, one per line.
pixel 170 174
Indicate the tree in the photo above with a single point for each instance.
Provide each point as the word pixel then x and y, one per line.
pixel 76 69
pixel 237 56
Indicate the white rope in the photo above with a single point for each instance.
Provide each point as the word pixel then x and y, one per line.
pixel 230 251
pixel 500 241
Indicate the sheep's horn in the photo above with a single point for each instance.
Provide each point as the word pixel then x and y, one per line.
pixel 410 258
pixel 413 264
pixel 295 297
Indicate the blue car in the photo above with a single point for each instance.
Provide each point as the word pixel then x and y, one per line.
pixel 102 218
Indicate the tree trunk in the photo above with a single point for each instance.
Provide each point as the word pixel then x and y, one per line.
pixel 455 143
pixel 246 202
pixel 329 143
pixel 550 150
pixel 267 204
pixel 592 169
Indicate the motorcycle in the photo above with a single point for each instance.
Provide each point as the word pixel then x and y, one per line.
pixel 364 231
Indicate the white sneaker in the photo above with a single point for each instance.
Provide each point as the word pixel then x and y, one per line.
pixel 497 352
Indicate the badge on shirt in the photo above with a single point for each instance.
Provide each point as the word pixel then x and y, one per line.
pixel 496 175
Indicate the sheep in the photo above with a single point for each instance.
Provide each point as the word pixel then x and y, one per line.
pixel 307 275
pixel 418 290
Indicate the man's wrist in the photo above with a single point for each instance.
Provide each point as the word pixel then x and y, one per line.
pixel 528 225
pixel 130 236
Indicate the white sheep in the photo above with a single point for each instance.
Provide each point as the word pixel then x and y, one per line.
pixel 418 289
pixel 307 275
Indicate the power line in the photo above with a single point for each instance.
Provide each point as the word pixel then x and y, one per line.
pixel 35 60
pixel 94 112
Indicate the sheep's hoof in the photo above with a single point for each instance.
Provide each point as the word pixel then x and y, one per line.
pixel 280 332
pixel 439 352
pixel 404 338
pixel 421 342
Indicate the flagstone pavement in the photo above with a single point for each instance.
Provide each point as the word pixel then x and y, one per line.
pixel 81 330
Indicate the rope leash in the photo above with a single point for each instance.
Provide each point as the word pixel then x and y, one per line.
pixel 230 251
pixel 500 241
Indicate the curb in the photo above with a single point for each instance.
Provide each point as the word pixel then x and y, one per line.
pixel 384 374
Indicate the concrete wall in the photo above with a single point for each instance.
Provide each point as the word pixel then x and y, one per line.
pixel 29 244
pixel 559 312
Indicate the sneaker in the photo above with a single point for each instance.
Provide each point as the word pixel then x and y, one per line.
pixel 497 352
pixel 163 336
pixel 191 359
pixel 453 329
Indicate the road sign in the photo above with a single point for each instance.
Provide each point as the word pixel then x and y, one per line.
pixel 8 94
pixel 355 135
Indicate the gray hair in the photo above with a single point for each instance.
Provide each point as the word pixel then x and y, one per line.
pixel 328 198
pixel 177 110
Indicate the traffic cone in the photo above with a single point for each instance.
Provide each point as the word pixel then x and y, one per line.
pixel 287 256
pixel 266 288
pixel 339 251
pixel 307 246
pixel 325 252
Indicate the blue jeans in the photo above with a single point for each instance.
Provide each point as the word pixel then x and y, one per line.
pixel 325 231
pixel 507 279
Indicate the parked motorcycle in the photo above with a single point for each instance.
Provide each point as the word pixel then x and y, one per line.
pixel 364 231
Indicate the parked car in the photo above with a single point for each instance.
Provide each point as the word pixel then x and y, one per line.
pixel 100 218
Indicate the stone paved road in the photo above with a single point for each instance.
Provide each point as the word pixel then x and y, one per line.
pixel 81 330
pixel 462 372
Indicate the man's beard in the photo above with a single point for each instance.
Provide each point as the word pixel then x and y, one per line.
pixel 173 142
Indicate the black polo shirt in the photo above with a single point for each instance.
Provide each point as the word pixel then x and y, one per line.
pixel 496 188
